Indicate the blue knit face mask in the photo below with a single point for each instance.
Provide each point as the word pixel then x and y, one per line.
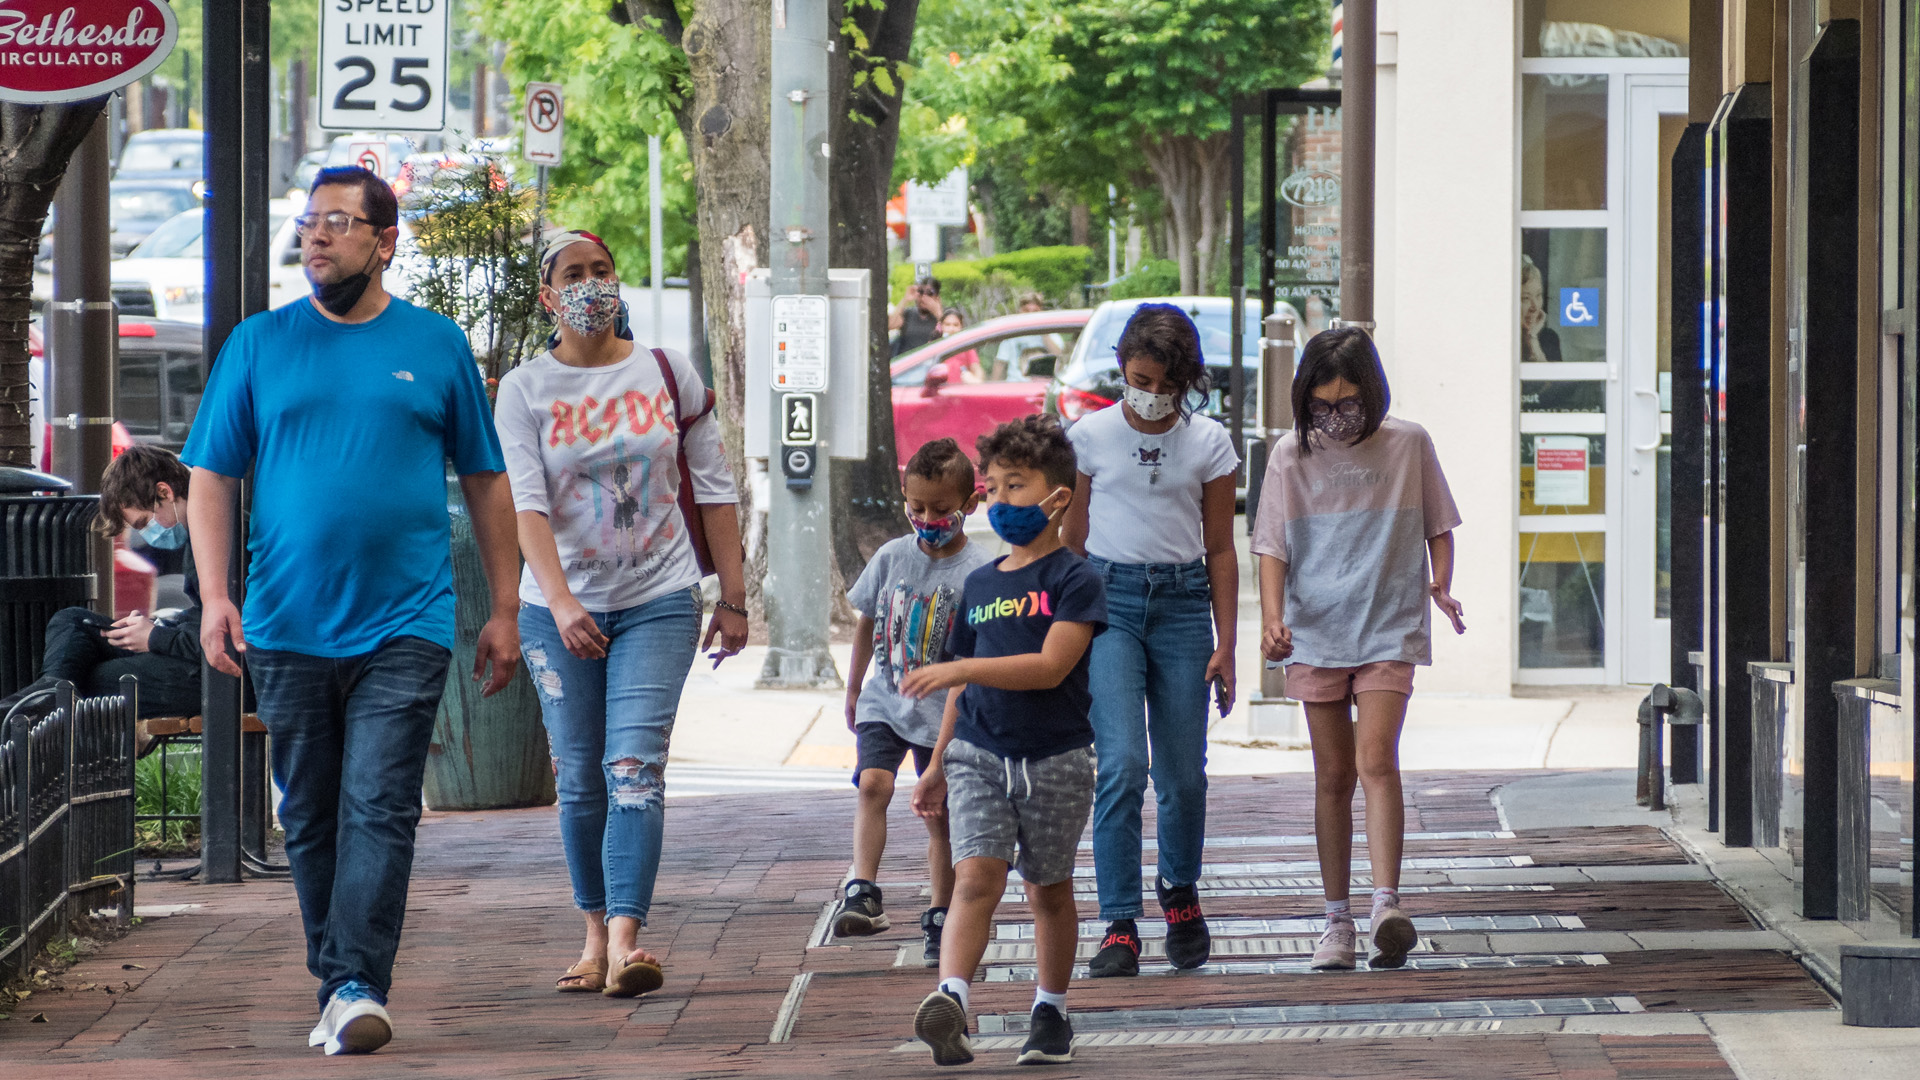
pixel 1020 525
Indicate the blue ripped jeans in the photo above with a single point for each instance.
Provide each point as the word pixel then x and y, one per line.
pixel 608 723
pixel 1149 676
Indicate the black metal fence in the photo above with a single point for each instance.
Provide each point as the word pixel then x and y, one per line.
pixel 66 819
pixel 46 563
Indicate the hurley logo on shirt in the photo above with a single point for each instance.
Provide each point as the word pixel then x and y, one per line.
pixel 1034 603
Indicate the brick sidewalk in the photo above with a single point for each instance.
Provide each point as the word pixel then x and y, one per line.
pixel 1545 953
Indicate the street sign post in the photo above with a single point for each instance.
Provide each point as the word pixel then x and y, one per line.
pixel 545 117
pixel 383 66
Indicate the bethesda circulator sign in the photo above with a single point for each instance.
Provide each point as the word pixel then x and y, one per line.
pixel 71 50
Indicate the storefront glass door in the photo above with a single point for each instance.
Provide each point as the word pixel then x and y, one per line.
pixel 1598 134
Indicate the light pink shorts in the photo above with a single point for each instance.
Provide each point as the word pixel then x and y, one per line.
pixel 1308 683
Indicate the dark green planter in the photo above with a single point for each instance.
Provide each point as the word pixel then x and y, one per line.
pixel 487 753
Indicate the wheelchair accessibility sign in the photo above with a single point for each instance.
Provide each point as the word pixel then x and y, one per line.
pixel 1579 307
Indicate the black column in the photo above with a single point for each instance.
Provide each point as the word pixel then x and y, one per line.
pixel 1828 187
pixel 1744 292
pixel 1688 570
pixel 236 100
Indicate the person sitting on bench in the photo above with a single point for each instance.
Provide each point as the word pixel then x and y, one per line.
pixel 144 489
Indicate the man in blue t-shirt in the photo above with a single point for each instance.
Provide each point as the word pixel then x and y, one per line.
pixel 347 407
pixel 1013 770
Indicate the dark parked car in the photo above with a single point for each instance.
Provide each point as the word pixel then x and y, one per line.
pixel 137 207
pixel 163 154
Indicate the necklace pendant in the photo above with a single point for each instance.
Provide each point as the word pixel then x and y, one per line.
pixel 1154 476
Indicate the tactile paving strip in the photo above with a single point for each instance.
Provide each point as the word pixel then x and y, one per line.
pixel 1231 928
pixel 1216 1036
pixel 1027 973
pixel 1268 1015
pixel 1008 952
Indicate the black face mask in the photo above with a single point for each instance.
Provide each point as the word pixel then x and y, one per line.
pixel 339 297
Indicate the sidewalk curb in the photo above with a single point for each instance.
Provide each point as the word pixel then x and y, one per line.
pixel 1807 951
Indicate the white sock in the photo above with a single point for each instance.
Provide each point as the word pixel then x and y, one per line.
pixel 1340 909
pixel 957 987
pixel 1044 997
pixel 1384 897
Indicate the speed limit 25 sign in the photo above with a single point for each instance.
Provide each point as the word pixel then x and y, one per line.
pixel 383 64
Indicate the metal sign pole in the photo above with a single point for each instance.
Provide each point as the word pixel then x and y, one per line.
pixel 797 580
pixel 82 344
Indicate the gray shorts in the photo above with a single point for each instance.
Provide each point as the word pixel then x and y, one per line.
pixel 1026 812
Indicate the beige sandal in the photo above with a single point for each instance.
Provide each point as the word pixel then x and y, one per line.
pixel 634 978
pixel 584 977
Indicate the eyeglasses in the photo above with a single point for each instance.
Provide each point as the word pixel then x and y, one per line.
pixel 1345 407
pixel 334 224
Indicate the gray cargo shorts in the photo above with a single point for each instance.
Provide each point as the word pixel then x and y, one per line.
pixel 1026 812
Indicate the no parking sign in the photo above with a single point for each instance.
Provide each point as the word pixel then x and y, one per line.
pixel 545 123
pixel 371 156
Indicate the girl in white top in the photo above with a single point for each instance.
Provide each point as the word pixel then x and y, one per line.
pixel 599 444
pixel 1154 515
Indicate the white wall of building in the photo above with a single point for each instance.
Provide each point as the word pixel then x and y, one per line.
pixel 1447 296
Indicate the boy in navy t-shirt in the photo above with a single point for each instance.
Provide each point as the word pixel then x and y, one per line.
pixel 1013 769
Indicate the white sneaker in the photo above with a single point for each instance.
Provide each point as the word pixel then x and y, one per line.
pixel 354 1022
pixel 1334 952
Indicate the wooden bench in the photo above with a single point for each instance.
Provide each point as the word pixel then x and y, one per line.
pixel 151 732
pixel 161 726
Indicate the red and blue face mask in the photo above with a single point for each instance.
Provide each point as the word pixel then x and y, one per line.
pixel 939 532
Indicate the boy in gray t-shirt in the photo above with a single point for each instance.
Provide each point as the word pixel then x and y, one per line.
pixel 907 599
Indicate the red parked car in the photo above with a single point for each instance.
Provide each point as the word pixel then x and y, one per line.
pixel 938 390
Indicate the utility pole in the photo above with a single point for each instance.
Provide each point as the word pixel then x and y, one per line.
pixel 798 529
pixel 1357 74
pixel 82 339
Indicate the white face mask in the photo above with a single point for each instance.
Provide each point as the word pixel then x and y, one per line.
pixel 1150 407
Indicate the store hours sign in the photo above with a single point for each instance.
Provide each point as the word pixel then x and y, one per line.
pixel 383 64
pixel 71 50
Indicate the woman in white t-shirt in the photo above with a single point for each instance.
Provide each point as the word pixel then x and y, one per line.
pixel 1154 515
pixel 601 448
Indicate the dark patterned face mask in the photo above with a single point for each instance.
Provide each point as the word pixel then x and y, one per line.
pixel 1340 427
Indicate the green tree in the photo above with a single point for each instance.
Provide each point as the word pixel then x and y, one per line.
pixel 1134 93
pixel 622 84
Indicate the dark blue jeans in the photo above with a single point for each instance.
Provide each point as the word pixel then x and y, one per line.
pixel 350 738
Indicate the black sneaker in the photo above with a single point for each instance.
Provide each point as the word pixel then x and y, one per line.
pixel 1119 951
pixel 932 921
pixel 941 1023
pixel 860 914
pixel 1049 1038
pixel 1189 942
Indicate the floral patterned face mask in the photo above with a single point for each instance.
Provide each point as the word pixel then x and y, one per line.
pixel 589 307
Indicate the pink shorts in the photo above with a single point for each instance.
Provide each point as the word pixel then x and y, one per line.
pixel 1308 683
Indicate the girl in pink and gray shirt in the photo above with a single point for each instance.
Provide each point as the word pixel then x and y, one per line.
pixel 1353 509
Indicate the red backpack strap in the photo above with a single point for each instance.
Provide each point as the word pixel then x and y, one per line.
pixel 689 513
